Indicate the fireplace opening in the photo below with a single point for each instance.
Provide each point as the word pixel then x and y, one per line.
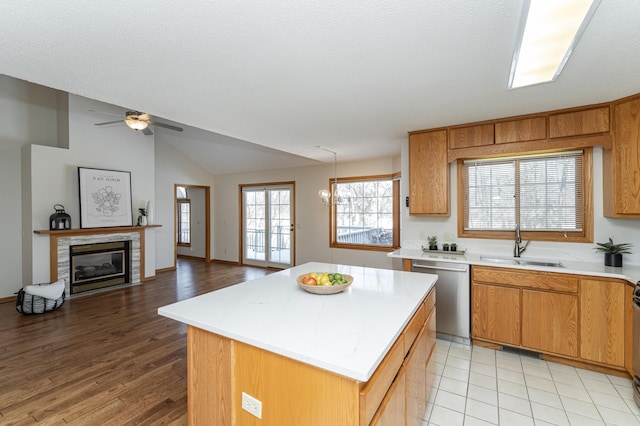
pixel 99 265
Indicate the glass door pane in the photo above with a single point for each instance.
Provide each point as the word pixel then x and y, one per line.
pixel 268 226
pixel 280 224
pixel 254 224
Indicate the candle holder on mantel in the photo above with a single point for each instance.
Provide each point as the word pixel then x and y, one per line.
pixel 60 219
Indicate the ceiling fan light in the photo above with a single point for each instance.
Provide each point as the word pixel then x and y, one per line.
pixel 136 124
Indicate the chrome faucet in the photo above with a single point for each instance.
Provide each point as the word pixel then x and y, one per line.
pixel 517 249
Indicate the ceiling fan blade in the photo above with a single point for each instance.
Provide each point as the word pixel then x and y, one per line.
pixel 166 126
pixel 147 131
pixel 105 113
pixel 108 122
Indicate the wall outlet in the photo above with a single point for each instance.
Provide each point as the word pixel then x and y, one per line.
pixel 423 235
pixel 252 405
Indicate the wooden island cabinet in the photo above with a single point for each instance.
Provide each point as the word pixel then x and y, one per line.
pixel 362 357
pixel 571 318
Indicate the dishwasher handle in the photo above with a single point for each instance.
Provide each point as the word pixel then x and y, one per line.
pixel 439 268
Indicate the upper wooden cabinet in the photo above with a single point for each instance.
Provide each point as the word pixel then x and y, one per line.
pixel 522 130
pixel 585 122
pixel 428 174
pixel 465 137
pixel 621 165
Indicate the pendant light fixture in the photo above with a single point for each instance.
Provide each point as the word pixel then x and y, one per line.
pixel 328 197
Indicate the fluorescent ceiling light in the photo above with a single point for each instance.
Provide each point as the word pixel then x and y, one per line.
pixel 549 31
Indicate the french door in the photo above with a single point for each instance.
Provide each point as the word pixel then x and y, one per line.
pixel 268 225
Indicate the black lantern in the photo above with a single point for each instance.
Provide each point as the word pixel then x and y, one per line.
pixel 59 220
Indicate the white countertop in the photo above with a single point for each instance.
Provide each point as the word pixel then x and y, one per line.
pixel 348 333
pixel 630 273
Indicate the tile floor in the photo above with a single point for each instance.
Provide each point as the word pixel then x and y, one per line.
pixel 479 386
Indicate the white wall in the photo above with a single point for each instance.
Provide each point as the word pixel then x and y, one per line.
pixel 27 115
pixel 172 167
pixel 621 230
pixel 312 217
pixel 54 175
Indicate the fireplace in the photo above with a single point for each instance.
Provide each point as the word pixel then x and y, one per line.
pixel 99 265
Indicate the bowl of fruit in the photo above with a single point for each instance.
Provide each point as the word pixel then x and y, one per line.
pixel 324 282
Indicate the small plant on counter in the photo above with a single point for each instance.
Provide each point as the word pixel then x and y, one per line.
pixel 142 218
pixel 433 243
pixel 445 246
pixel 454 247
pixel 613 252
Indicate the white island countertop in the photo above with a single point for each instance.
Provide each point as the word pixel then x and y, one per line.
pixel 348 333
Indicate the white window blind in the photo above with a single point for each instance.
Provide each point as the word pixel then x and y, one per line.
pixel 540 193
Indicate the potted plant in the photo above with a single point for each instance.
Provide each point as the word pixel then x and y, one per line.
pixel 454 247
pixel 445 246
pixel 613 252
pixel 142 219
pixel 433 243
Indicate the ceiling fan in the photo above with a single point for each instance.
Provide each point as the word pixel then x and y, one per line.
pixel 138 121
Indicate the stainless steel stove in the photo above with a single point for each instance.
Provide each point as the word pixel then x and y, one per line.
pixel 636 344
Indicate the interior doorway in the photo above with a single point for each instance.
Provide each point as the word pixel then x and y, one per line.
pixel 192 223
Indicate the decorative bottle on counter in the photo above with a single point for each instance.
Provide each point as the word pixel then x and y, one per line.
pixel 149 213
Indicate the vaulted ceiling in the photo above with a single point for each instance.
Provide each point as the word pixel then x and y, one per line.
pixel 353 76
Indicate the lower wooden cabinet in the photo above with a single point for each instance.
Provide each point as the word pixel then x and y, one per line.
pixel 602 321
pixel 579 318
pixel 495 313
pixel 406 400
pixel 392 409
pixel 550 322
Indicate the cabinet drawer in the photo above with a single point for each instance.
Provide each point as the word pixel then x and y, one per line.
pixel 430 330
pixel 431 300
pixel 372 393
pixel 526 279
pixel 414 326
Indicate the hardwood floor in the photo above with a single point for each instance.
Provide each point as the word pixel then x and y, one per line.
pixel 107 358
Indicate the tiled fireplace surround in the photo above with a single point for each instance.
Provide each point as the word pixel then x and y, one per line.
pixel 60 241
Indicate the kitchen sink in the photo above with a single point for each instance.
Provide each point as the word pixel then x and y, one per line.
pixel 524 262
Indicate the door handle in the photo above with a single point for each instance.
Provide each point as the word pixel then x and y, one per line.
pixel 440 268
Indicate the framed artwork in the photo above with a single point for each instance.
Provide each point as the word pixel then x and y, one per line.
pixel 105 198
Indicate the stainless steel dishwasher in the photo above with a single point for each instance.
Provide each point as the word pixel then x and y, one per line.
pixel 452 298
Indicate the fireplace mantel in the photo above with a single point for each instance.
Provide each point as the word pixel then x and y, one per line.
pixel 60 240
pixel 91 231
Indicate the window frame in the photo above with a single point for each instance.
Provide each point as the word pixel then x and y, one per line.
pixel 395 239
pixel 179 222
pixel 583 236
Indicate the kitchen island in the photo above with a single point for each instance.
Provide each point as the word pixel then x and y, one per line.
pixel 363 356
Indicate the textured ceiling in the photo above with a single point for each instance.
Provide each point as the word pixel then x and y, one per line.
pixel 353 76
